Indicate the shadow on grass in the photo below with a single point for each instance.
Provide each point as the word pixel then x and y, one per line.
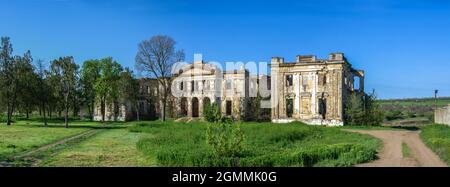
pixel 409 128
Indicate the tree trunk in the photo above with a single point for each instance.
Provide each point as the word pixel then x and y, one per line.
pixel 50 112
pixel 43 111
pixel 103 108
pixel 164 102
pixel 66 116
pixel 137 111
pixel 28 116
pixel 8 115
pixel 92 111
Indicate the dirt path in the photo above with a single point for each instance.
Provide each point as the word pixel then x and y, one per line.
pixel 391 154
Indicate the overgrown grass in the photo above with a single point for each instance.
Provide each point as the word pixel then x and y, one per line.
pixel 265 144
pixel 26 135
pixel 437 137
pixel 23 137
pixel 109 148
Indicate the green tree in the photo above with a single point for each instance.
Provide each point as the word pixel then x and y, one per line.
pixel 354 110
pixel 8 78
pixel 90 73
pixel 362 109
pixel 27 81
pixel 374 114
pixel 106 86
pixel 65 70
pixel 43 89
pixel 129 90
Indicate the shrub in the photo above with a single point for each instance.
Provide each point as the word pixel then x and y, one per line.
pixel 226 139
pixel 211 112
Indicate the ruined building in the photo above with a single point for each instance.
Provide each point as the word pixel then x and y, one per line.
pixel 309 89
pixel 199 84
pixel 312 90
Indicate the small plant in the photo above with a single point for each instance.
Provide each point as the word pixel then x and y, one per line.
pixel 226 139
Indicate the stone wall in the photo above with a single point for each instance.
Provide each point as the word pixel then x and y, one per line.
pixel 442 115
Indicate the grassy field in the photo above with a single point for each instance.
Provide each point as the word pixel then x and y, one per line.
pixel 437 137
pixel 182 144
pixel 411 111
pixel 441 102
pixel 26 135
pixel 111 148
pixel 296 144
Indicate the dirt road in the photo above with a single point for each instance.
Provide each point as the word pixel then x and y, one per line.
pixel 391 154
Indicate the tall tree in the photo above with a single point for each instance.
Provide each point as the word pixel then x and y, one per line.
pixel 43 88
pixel 65 69
pixel 90 73
pixel 27 83
pixel 156 57
pixel 8 78
pixel 129 90
pixel 106 85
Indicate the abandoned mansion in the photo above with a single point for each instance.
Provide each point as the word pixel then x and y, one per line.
pixel 308 89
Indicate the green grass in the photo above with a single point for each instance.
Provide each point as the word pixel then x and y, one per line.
pixel 110 148
pixel 437 137
pixel 405 150
pixel 182 144
pixel 24 136
pixel 266 144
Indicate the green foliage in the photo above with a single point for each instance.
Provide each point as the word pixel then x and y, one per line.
pixel 226 139
pixel 362 109
pixel 211 112
pixel 65 71
pixel 437 137
pixel 90 73
pixel 106 86
pixel 265 144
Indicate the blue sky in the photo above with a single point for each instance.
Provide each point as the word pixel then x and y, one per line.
pixel 403 45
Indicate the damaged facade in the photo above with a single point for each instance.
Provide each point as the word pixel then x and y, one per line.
pixel 312 90
pixel 309 89
pixel 198 84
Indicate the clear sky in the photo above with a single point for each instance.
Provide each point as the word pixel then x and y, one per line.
pixel 403 45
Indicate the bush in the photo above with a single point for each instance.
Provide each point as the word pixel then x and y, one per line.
pixel 226 139
pixel 211 112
